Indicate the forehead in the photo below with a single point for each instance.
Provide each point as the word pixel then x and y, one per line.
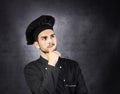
pixel 46 32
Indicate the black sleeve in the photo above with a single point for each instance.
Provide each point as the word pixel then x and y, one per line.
pixel 39 82
pixel 81 87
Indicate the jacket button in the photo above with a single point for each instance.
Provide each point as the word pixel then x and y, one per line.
pixel 45 68
pixel 60 67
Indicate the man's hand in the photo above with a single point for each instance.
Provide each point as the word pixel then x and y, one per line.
pixel 53 57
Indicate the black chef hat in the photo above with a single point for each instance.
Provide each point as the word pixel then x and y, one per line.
pixel 37 26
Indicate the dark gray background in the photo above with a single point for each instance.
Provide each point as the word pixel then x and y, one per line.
pixel 87 31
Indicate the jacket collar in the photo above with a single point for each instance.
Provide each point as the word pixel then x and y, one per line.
pixel 45 62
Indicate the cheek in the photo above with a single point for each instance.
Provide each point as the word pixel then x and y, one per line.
pixel 43 44
pixel 55 40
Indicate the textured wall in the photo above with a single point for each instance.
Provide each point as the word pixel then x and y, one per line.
pixel 87 31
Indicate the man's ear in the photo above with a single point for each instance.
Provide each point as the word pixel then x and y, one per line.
pixel 36 45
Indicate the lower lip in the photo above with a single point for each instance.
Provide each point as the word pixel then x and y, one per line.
pixel 50 46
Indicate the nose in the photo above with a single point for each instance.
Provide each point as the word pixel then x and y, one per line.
pixel 49 40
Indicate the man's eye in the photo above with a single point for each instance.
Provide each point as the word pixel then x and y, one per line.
pixel 53 36
pixel 44 38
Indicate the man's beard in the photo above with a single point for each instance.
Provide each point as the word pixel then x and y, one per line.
pixel 47 51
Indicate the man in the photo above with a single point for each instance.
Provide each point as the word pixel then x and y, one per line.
pixel 51 74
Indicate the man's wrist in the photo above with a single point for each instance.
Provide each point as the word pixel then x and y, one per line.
pixel 51 64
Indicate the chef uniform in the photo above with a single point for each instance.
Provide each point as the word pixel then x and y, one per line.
pixel 63 78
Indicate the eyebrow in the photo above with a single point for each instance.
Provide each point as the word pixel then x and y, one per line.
pixel 52 34
pixel 43 36
pixel 46 36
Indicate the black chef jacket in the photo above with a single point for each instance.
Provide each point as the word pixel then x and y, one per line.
pixel 64 78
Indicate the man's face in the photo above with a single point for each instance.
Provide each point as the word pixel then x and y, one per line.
pixel 47 41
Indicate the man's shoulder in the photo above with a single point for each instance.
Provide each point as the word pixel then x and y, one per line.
pixel 31 68
pixel 31 64
pixel 70 61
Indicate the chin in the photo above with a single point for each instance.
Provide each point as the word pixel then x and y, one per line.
pixel 52 49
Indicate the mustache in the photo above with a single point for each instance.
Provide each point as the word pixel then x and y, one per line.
pixel 50 45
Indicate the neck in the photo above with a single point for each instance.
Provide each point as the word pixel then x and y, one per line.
pixel 44 55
